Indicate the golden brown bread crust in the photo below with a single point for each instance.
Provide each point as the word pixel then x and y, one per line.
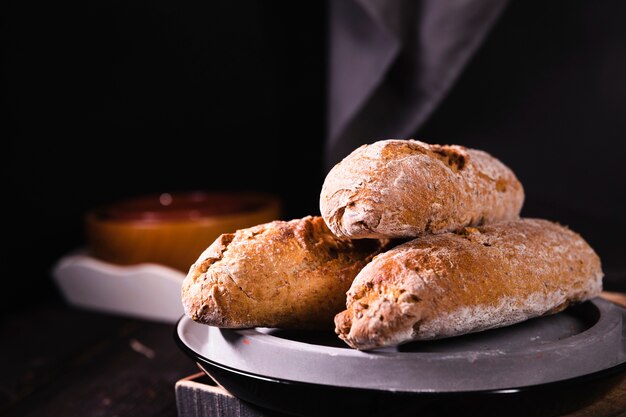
pixel 279 274
pixel 405 188
pixel 450 284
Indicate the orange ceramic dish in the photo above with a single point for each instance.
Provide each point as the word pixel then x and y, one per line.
pixel 172 229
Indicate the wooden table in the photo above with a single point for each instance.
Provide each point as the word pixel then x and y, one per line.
pixel 60 361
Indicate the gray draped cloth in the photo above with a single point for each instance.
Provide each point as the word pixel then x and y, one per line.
pixel 392 62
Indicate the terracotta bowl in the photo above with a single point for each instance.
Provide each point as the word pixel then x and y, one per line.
pixel 172 229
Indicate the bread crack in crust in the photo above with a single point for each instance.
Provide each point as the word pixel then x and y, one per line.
pixel 287 274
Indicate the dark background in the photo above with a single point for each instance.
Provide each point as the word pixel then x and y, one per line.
pixel 115 99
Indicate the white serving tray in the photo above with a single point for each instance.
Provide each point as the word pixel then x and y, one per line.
pixel 146 291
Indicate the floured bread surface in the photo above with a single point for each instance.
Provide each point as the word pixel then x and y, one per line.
pixel 279 274
pixel 399 188
pixel 450 284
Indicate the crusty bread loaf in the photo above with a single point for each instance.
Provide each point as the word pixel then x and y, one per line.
pixel 404 188
pixel 449 284
pixel 278 274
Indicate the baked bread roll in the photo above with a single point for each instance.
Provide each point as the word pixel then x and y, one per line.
pixel 404 188
pixel 449 284
pixel 288 274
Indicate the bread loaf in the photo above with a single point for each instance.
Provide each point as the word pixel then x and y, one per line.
pixel 278 274
pixel 404 188
pixel 449 284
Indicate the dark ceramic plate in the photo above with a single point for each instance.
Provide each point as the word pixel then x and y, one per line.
pixel 542 367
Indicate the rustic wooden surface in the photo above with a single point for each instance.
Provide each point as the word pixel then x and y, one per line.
pixel 59 361
pixel 199 396
pixel 613 404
